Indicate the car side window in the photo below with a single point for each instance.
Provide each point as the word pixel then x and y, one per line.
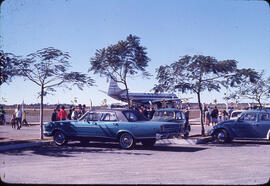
pixel 131 116
pixel 109 117
pixel 264 117
pixel 249 117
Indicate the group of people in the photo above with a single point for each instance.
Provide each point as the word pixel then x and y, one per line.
pixel 213 116
pixel 18 118
pixel 146 111
pixel 74 113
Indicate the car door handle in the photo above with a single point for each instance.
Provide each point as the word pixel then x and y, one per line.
pixel 115 124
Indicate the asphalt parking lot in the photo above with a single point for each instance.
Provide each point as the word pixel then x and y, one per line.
pixel 177 161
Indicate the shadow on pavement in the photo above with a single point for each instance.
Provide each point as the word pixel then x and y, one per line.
pixel 237 143
pixel 74 148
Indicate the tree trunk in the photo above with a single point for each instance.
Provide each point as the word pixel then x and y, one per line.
pixel 201 114
pixel 128 100
pixel 41 112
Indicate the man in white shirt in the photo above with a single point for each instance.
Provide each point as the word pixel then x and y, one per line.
pixel 18 117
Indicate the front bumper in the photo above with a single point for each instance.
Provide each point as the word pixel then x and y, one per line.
pixel 48 134
pixel 167 135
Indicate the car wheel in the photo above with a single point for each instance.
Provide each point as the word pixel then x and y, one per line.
pixel 126 141
pixel 149 142
pixel 221 136
pixel 59 138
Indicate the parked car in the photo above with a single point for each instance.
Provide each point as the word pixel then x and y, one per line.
pixel 252 124
pixel 125 126
pixel 235 114
pixel 173 115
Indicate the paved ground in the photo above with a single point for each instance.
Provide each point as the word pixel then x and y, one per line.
pixel 175 161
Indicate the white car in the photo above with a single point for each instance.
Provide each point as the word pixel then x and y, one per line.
pixel 235 114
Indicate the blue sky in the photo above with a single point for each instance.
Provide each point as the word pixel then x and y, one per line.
pixel 224 29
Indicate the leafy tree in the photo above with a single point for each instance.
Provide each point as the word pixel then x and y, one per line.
pixel 8 69
pixel 198 73
pixel 48 68
pixel 124 59
pixel 258 90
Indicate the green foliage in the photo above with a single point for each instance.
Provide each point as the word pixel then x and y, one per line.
pixel 126 58
pixel 199 73
pixel 48 68
pixel 8 68
pixel 256 88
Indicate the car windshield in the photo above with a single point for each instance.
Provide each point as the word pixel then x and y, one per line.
pixel 236 114
pixel 134 116
pixel 164 114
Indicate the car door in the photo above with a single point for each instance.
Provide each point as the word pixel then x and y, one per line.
pixel 263 126
pixel 244 126
pixel 108 126
pixel 87 126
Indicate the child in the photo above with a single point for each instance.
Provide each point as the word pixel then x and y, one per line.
pixel 12 121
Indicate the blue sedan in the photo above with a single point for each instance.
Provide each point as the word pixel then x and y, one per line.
pixel 252 124
pixel 124 126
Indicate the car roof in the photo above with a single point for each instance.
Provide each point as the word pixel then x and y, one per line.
pixel 255 110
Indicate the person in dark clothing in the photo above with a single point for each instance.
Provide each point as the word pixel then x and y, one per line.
pixel 69 113
pixel 214 116
pixel 54 115
pixel 145 112
pixel 151 113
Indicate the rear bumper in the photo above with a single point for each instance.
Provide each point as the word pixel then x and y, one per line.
pixel 167 135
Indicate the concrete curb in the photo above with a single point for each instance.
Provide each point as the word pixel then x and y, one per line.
pixel 23 145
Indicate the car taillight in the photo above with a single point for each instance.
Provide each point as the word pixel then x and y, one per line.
pixel 162 128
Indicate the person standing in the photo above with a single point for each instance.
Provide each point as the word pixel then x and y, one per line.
pixel 208 116
pixel 151 113
pixel 80 111
pixel 24 122
pixel 69 113
pixel 186 113
pixel 74 115
pixel 225 115
pixel 54 115
pixel 214 116
pixel 62 114
pixel 83 109
pixel 18 117
pixel 2 116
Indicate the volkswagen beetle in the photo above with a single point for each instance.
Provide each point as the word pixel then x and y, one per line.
pixel 251 124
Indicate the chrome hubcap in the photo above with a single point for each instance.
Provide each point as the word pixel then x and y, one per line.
pixel 126 140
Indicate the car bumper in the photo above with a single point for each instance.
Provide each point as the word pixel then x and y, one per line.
pixel 167 135
pixel 46 133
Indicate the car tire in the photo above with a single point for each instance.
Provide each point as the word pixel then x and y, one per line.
pixel 59 138
pixel 126 141
pixel 149 142
pixel 221 136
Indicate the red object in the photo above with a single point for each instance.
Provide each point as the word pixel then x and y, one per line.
pixel 62 114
